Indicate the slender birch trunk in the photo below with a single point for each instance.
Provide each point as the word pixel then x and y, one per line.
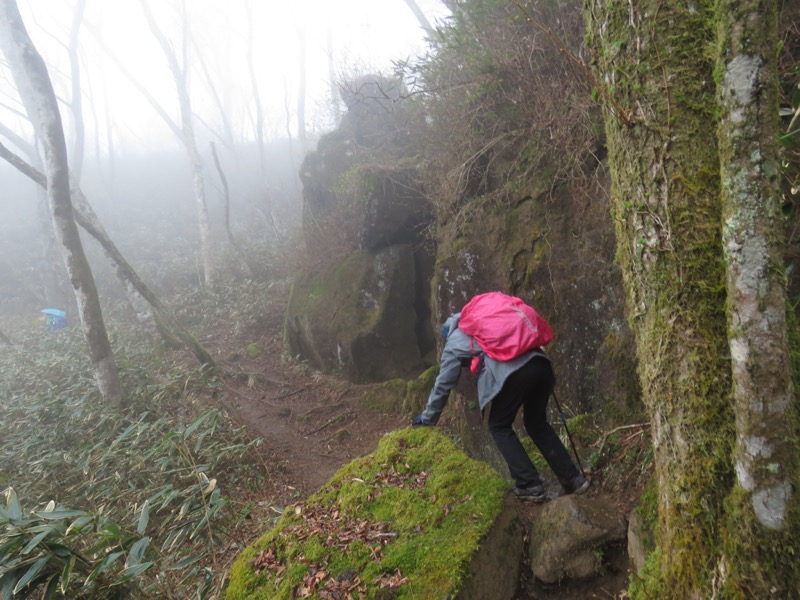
pixel 36 90
pixel 765 402
pixel 187 136
pixel 85 216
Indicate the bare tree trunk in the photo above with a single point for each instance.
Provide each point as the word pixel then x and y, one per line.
pixel 36 91
pixel 259 127
pixel 301 91
pixel 227 129
pixel 76 105
pixel 51 275
pixel 187 136
pixel 421 18
pixel 227 199
pixel 87 219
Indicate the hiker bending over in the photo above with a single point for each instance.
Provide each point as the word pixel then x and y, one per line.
pixel 525 381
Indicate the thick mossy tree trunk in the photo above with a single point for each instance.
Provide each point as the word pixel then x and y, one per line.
pixel 658 61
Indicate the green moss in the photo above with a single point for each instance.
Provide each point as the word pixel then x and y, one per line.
pixel 669 249
pixel 777 572
pixel 253 351
pixel 583 428
pixel 399 395
pixel 648 505
pixel 433 504
pixel 648 585
pixel 386 396
pixel 418 390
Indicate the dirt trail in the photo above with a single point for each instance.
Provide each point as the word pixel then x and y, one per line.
pixel 312 424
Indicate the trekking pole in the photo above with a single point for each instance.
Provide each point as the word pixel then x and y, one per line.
pixel 569 435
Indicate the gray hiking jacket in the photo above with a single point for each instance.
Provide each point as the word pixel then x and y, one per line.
pixel 456 354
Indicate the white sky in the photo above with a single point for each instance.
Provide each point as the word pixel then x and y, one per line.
pixel 366 35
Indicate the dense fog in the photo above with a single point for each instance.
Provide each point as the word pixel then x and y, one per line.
pixel 262 79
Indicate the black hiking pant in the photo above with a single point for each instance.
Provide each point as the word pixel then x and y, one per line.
pixel 529 388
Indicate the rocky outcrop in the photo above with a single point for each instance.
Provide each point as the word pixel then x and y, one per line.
pixel 554 248
pixel 364 310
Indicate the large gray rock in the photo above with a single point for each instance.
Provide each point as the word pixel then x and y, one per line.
pixel 568 537
pixel 359 318
pixel 363 307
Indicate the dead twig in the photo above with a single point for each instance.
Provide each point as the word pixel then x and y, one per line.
pixel 337 432
pixel 316 408
pixel 292 393
pixel 249 398
pixel 625 115
pixel 328 422
pixel 621 428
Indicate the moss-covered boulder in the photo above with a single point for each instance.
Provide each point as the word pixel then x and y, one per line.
pixel 400 395
pixel 359 318
pixel 415 519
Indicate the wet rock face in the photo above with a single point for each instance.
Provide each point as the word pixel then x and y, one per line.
pixel 554 248
pixel 358 319
pixel 494 572
pixel 394 210
pixel 569 537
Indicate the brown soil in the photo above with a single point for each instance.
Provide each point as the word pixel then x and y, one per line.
pixel 312 424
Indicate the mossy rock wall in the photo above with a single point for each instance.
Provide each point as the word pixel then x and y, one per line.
pixel 555 249
pixel 358 319
pixel 363 306
pixel 415 519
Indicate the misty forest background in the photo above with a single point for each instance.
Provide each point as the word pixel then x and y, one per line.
pixel 575 154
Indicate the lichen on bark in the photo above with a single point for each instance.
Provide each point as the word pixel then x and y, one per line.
pixel 692 177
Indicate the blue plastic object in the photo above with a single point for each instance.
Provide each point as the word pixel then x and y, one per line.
pixel 55 319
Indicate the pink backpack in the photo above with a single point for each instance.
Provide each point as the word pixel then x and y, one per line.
pixel 503 325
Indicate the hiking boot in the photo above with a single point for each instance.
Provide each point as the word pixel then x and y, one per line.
pixel 534 493
pixel 578 485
